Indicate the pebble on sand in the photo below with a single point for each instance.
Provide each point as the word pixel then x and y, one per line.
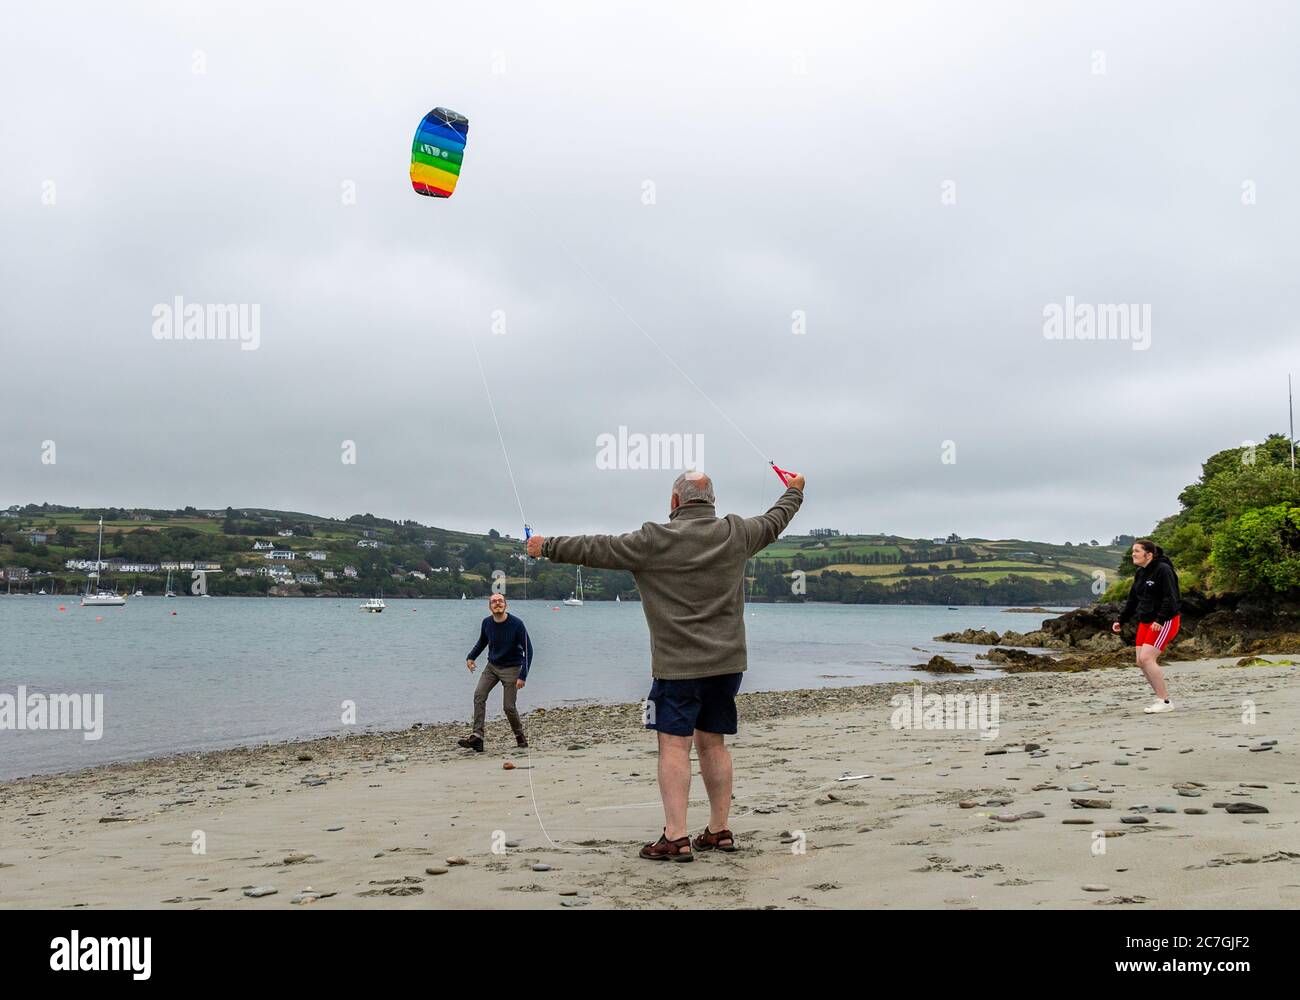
pixel 257 891
pixel 435 871
pixel 456 859
pixel 1096 888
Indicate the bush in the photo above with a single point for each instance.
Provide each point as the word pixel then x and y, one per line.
pixel 1260 550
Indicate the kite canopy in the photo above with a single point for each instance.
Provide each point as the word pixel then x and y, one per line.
pixel 437 152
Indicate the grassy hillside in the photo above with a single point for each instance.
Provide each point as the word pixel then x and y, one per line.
pixel 405 558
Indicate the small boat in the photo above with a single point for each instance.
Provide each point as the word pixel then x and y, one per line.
pixel 575 600
pixel 462 595
pixel 375 604
pixel 170 592
pixel 42 592
pixel 618 599
pixel 138 593
pixel 101 598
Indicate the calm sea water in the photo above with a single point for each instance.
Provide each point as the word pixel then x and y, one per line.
pixel 225 671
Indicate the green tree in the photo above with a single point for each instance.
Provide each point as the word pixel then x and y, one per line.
pixel 1260 550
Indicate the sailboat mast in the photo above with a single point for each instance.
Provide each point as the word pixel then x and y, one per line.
pixel 1290 411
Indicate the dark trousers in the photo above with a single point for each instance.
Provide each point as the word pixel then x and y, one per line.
pixel 491 677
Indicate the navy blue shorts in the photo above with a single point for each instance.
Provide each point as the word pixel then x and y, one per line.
pixel 708 704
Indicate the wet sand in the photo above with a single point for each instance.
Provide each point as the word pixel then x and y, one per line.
pixel 371 820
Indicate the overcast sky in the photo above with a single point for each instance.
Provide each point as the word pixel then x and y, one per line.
pixel 802 159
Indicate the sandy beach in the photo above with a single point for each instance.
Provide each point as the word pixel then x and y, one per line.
pixel 931 819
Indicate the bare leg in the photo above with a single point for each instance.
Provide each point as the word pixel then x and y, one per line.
pixel 1148 660
pixel 674 782
pixel 715 766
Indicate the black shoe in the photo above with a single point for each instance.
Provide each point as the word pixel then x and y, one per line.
pixel 471 742
pixel 521 740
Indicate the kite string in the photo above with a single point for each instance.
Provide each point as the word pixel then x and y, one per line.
pixel 487 391
pixel 473 339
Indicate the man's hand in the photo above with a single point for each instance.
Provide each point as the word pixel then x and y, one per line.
pixel 471 664
pixel 1116 628
pixel 795 481
pixel 519 685
pixel 535 546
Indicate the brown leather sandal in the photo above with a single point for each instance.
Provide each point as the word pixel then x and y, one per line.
pixel 668 850
pixel 710 841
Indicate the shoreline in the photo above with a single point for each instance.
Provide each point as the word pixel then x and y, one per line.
pixel 946 819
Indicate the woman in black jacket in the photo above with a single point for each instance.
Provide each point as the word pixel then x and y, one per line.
pixel 1154 599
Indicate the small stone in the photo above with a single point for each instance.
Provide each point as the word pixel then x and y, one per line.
pixel 305 756
pixel 1006 817
pixel 1194 811
pixel 1091 803
pixel 397 758
pixel 574 901
pixel 1251 784
pixel 513 843
pixel 539 867
pixel 456 859
pixel 1245 807
pixel 1081 786
pixel 297 857
pixel 257 891
pixel 1166 809
pixel 1133 819
pixel 1077 822
pixel 435 871
pixel 1120 763
pixel 968 804
pixel 1261 748
pixel 1033 814
pixel 1189 793
pixel 1096 888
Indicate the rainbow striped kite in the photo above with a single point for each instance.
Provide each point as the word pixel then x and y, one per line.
pixel 437 152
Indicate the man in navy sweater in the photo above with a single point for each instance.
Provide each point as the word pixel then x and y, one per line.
pixel 510 654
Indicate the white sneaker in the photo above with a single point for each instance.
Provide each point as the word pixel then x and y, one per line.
pixel 1159 706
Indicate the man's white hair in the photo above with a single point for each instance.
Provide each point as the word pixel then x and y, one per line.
pixel 693 486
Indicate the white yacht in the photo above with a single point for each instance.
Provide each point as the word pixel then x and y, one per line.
pixel 101 598
pixel 575 600
pixel 375 604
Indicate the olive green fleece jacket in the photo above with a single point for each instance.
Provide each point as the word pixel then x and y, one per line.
pixel 691 574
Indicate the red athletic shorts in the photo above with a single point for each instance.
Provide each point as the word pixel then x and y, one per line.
pixel 1148 634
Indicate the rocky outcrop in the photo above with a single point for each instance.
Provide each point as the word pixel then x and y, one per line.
pixel 979 636
pixel 943 665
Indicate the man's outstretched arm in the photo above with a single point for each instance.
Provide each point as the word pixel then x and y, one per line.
pixel 766 528
pixel 627 551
